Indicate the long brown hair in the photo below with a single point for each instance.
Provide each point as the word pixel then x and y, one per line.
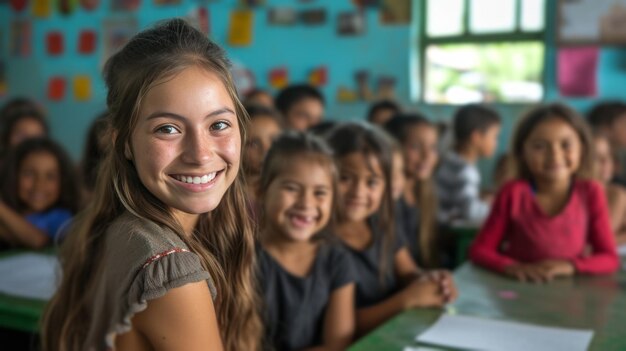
pixel 222 238
pixel 424 190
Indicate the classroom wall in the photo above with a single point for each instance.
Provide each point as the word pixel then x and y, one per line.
pixel 382 50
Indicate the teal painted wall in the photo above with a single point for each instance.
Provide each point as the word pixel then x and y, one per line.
pixel 383 50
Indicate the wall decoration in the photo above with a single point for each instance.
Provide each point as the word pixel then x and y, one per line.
pixel 318 76
pixel 54 43
pixel 350 23
pixel 313 17
pixel 166 2
pixel 56 88
pixel 82 88
pixel 89 5
pixel 240 29
pixel 366 3
pixel 67 7
pixel 199 18
pixel 243 78
pixel 3 67
pixel 282 16
pixel 577 71
pixel 18 5
pixel 116 33
pixel 395 12
pixel 592 22
pixel 386 88
pixel 346 95
pixel 362 78
pixel 279 78
pixel 125 5
pixel 42 8
pixel 87 42
pixel 252 3
pixel 21 31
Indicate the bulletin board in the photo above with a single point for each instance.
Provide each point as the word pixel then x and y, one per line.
pixel 592 22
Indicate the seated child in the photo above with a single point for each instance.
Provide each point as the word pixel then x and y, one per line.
pixel 302 106
pixel 382 111
pixel 307 279
pixel 39 194
pixel 476 130
pixel 541 223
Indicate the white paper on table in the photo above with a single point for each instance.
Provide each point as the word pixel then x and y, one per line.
pixel 29 275
pixel 488 334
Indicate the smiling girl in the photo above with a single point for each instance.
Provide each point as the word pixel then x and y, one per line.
pixel 162 258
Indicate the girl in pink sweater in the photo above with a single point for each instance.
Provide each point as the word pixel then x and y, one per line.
pixel 542 222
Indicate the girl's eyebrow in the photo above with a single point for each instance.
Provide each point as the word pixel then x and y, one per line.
pixel 217 112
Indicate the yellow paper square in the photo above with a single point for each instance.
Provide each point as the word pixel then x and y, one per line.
pixel 240 30
pixel 82 88
pixel 42 8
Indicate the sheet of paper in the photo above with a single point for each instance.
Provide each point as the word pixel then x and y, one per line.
pixel 488 334
pixel 29 275
pixel 577 71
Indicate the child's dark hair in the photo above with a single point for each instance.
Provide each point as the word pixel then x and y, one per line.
pixel 370 140
pixel 68 195
pixel 293 94
pixel 471 118
pixel 17 104
pixel 94 150
pixel 605 113
pixel 399 125
pixel 322 128
pixel 255 110
pixel 294 145
pixel 382 105
pixel 544 113
pixel 14 116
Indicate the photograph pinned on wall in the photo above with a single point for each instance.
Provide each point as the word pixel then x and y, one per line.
pixel 56 88
pixel 395 12
pixel 43 8
pixel 199 18
pixel 282 16
pixel 243 77
pixel 362 78
pixel 21 36
pixel 385 88
pixel 350 23
pixel 87 42
pixel 313 17
pixel 240 28
pixel 278 77
pixel 125 5
pixel 89 5
pixel 54 43
pixel 18 5
pixel 3 79
pixel 366 3
pixel 67 7
pixel 116 33
pixel 346 95
pixel 82 88
pixel 252 3
pixel 166 2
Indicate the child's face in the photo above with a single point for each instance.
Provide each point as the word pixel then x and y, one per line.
pixel 298 201
pixel 617 132
pixel 421 154
pixel 39 181
pixel 361 185
pixel 397 173
pixel 603 162
pixel 488 141
pixel 553 150
pixel 262 132
pixel 262 99
pixel 304 114
pixel 26 128
pixel 186 144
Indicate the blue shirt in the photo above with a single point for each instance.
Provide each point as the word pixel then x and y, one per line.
pixel 50 221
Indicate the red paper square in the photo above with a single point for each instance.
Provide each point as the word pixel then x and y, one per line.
pixel 54 43
pixel 87 42
pixel 56 88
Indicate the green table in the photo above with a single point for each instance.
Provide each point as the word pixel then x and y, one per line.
pixel 20 313
pixel 597 303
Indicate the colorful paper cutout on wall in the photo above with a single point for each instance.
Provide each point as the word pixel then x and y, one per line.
pixel 244 79
pixel 346 95
pixel 87 42
pixel 21 31
pixel 67 7
pixel 125 5
pixel 366 3
pixel 199 18
pixel 319 76
pixel 313 17
pixel 386 88
pixel 54 43
pixel 282 16
pixel 42 8
pixel 116 33
pixel 89 5
pixel 240 30
pixel 395 12
pixel 252 3
pixel 18 5
pixel 350 23
pixel 166 2
pixel 82 88
pixel 3 79
pixel 362 78
pixel 279 78
pixel 56 88
pixel 577 71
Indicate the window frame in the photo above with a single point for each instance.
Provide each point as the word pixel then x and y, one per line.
pixel 517 35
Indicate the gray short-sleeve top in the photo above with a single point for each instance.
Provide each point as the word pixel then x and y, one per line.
pixel 141 262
